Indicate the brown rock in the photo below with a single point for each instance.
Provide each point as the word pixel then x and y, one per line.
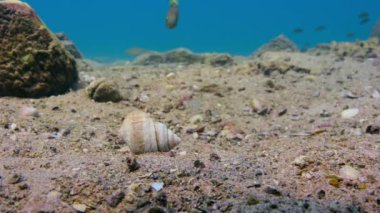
pixel 33 63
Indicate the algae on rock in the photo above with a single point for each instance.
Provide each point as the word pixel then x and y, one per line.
pixel 33 63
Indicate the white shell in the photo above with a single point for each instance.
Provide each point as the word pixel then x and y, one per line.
pixel 143 135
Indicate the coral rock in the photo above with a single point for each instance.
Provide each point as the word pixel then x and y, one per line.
pixel 32 61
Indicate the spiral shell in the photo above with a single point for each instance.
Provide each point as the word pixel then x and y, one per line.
pixel 143 134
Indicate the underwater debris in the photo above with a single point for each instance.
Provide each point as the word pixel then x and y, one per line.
pixel 32 61
pixel 279 44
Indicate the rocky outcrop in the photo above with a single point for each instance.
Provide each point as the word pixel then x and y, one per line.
pixel 33 63
pixel 280 44
pixel 183 56
pixel 282 62
pixel 69 45
pixel 359 50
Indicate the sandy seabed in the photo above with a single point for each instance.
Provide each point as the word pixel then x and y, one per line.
pixel 253 140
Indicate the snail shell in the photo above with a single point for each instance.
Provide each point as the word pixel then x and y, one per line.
pixel 143 134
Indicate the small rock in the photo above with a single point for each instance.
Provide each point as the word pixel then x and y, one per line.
pixel 349 113
pixel 199 164
pixel 373 129
pixel 103 90
pixel 133 165
pixel 252 201
pixel 376 94
pixel 272 190
pixel 26 112
pixel 350 173
pixel 15 178
pixel 161 199
pixel 80 207
pixel 196 119
pixel 301 161
pixel 214 157
pixel 157 186
pixel 321 194
pixel 350 95
pixel 115 199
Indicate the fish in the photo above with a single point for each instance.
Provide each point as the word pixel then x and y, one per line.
pixel 350 35
pixel 136 51
pixel 363 15
pixel 320 28
pixel 364 21
pixel 298 30
pixel 172 17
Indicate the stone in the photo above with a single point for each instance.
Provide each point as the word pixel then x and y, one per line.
pixel 33 63
pixel 103 90
pixel 183 56
pixel 350 173
pixel 115 199
pixel 272 190
pixel 283 62
pixel 349 113
pixel 69 45
pixel 279 44
pixel 79 207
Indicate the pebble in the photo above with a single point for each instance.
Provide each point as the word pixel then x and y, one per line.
pixel 115 199
pixel 321 194
pixel 80 207
pixel 157 186
pixel 196 119
pixel 349 113
pixel 214 157
pixel 373 129
pixel 272 190
pixel 350 173
pixel 28 112
pixel 301 161
pixel 376 94
pixel 252 201
pixel 15 178
pixel 132 164
pixel 199 164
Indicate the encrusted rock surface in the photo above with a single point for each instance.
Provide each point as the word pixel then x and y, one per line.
pixel 32 61
pixel 279 44
pixel 183 56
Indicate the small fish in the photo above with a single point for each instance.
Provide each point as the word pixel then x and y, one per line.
pixel 172 17
pixel 136 51
pixel 320 28
pixel 298 30
pixel 364 21
pixel 350 35
pixel 363 15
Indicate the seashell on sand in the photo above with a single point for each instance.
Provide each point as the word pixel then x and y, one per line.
pixel 143 134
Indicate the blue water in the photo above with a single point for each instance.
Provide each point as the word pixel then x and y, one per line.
pixel 105 29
